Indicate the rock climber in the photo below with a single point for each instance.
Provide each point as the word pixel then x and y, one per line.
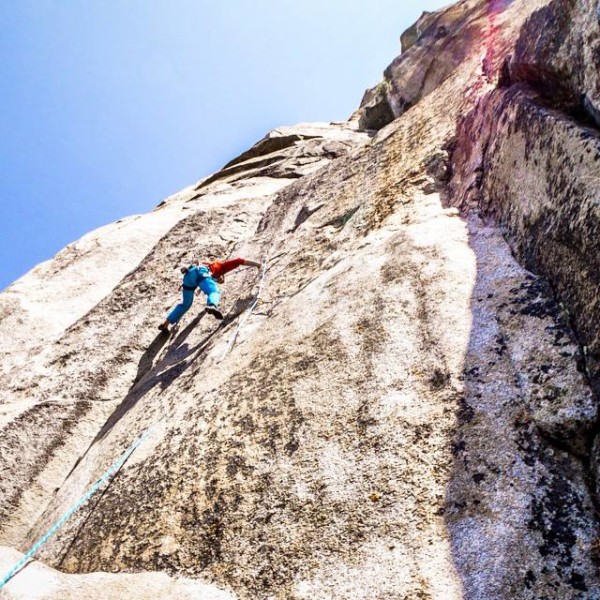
pixel 206 276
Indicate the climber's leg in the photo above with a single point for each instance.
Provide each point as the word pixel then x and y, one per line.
pixel 213 295
pixel 182 307
pixel 211 289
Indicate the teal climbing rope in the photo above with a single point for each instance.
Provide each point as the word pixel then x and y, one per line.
pixel 114 468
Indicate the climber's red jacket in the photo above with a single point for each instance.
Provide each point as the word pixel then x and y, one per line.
pixel 219 268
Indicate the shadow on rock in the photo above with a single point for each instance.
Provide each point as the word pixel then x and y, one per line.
pixel 517 506
pixel 148 376
pixel 147 360
pixel 178 359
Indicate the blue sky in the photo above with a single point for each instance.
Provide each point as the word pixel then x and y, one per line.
pixel 106 107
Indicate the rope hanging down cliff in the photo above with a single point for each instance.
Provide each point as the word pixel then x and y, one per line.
pixel 108 474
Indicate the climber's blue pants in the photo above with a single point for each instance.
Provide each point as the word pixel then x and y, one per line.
pixel 182 308
pixel 208 286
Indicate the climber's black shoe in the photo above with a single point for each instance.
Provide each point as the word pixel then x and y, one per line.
pixel 215 312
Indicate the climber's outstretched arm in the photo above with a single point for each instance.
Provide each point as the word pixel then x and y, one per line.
pixel 219 269
pixel 252 263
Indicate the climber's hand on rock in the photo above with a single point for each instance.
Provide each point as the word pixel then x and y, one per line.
pixel 252 263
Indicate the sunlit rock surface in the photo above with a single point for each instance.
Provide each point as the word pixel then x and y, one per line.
pixel 410 411
pixel 39 582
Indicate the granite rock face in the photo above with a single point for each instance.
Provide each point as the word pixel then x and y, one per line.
pixel 528 156
pixel 410 410
pixel 415 32
pixel 76 373
pixel 558 53
pixel 375 111
pixel 436 46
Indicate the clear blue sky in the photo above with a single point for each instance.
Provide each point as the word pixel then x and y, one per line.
pixel 106 107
